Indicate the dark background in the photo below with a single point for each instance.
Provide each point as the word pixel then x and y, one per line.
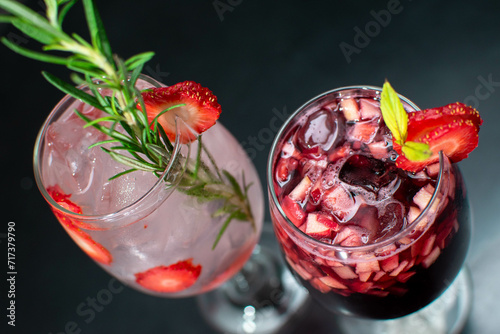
pixel 261 58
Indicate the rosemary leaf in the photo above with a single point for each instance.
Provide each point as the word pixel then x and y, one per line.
pixel 64 10
pixel 34 32
pixel 71 90
pixel 33 54
pixel 96 30
pixel 234 183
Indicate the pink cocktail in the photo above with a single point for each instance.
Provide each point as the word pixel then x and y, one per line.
pixel 146 230
pixel 364 237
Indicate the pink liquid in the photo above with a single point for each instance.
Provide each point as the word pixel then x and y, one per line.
pixel 354 239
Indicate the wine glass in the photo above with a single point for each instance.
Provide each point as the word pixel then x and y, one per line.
pixel 368 241
pixel 155 234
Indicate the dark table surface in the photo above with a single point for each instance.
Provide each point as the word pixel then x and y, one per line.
pixel 261 58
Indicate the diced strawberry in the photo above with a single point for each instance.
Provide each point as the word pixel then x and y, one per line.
pixel 385 250
pixel 452 129
pixel 319 285
pixel 390 263
pixel 431 258
pixel 364 277
pixel 422 198
pixel 332 282
pixel 349 236
pixel 350 109
pixel 301 190
pixel 299 269
pixel 284 168
pixel 93 249
pixel 173 278
pixel 367 266
pixel 345 272
pixel 363 131
pixel 404 277
pixel 340 152
pixel 361 287
pixel 428 245
pixel 379 150
pixel 369 109
pixel 320 225
pixel 378 275
pixel 293 211
pixel 399 269
pixel 433 170
pixel 200 110
pixel 340 202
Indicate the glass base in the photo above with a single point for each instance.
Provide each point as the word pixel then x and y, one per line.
pixel 446 315
pixel 261 298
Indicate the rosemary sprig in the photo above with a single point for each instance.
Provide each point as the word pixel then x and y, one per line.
pixel 93 64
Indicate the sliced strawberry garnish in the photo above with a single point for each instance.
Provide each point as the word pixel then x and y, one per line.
pixel 173 278
pixel 452 129
pixel 93 249
pixel 200 112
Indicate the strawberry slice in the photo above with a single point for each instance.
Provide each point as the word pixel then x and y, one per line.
pixel 173 278
pixel 93 249
pixel 200 112
pixel 452 129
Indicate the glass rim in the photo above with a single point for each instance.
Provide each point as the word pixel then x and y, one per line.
pixel 37 156
pixel 338 248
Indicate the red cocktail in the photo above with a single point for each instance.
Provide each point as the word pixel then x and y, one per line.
pixel 365 237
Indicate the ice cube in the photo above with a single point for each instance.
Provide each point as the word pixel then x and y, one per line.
pixel 368 173
pixel 320 132
pixel 69 142
pixel 124 191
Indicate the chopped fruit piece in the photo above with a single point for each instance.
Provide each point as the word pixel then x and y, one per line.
pixel 319 285
pixel 363 131
pixel 428 245
pixel 340 202
pixel 361 287
pixel 300 192
pixel 350 109
pixel 369 109
pixel 363 277
pixel 285 168
pixel 350 236
pixel 200 110
pixel 378 275
pixel 404 277
pixel 93 249
pixel 379 150
pixel 399 269
pixel 299 269
pixel 422 198
pixel 320 225
pixel 368 266
pixel 390 263
pixel 431 258
pixel 173 278
pixel 340 153
pixel 293 211
pixel 332 282
pixel 452 129
pixel 345 272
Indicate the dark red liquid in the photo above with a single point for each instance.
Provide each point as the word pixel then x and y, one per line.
pixel 337 182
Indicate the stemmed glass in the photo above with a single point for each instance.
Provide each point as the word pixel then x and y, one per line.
pixel 154 236
pixel 367 272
